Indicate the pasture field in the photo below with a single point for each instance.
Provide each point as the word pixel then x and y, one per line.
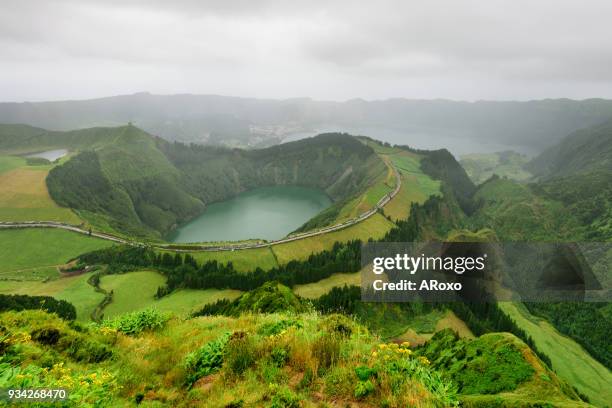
pixel 33 253
pixel 8 163
pixel 135 291
pixel 82 295
pixel 73 289
pixel 188 300
pixel 25 196
pixel 417 336
pixel 317 289
pixel 131 291
pixel 569 359
pixel 375 227
pixel 244 260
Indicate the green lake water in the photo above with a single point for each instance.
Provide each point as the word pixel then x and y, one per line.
pixel 267 212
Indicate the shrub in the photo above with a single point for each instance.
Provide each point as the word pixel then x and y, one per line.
pixel 274 328
pixel 363 388
pixel 241 353
pixel 46 335
pixel 74 344
pixel 279 356
pixel 206 360
pixel 136 322
pixel 283 397
pixel 364 373
pixel 83 349
pixel 338 324
pixel 326 350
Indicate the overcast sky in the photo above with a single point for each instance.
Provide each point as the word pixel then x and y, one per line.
pixel 457 49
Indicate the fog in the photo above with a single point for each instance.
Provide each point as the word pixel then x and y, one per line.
pixel 468 50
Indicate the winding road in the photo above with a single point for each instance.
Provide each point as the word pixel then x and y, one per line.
pixel 229 247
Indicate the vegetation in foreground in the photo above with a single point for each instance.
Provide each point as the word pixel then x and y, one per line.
pixel 272 360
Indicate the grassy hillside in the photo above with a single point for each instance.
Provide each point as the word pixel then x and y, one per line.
pixel 374 227
pixel 588 197
pixel 583 151
pixel 128 181
pixel 516 213
pixel 569 360
pixel 24 193
pixel 34 254
pixel 481 166
pixel 136 290
pixel 125 180
pixel 73 289
pixel 275 360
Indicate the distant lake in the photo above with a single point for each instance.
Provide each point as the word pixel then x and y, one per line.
pixel 51 155
pixel 457 143
pixel 268 212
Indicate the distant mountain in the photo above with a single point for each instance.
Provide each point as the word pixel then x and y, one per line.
pixel 583 151
pixel 210 119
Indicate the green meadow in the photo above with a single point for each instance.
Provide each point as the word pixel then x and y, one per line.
pixel 73 289
pixel 317 289
pixel 244 260
pixel 33 253
pixel 375 227
pixel 10 162
pixel 569 359
pixel 25 196
pixel 136 290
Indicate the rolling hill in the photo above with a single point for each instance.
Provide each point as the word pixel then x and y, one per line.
pixel 127 181
pixel 584 151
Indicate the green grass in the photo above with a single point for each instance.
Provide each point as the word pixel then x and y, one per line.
pixel 131 291
pixel 517 214
pixel 135 291
pixel 82 295
pixel 25 196
pixel 569 359
pixel 244 260
pixel 374 227
pixel 317 289
pixel 187 300
pixel 481 166
pixel 35 253
pixel 10 162
pixel 73 289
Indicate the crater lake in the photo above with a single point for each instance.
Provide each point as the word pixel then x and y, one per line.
pixel 268 213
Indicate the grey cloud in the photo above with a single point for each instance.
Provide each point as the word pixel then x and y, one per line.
pixel 324 49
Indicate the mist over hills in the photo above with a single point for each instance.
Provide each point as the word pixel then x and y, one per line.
pixel 584 151
pixel 461 127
